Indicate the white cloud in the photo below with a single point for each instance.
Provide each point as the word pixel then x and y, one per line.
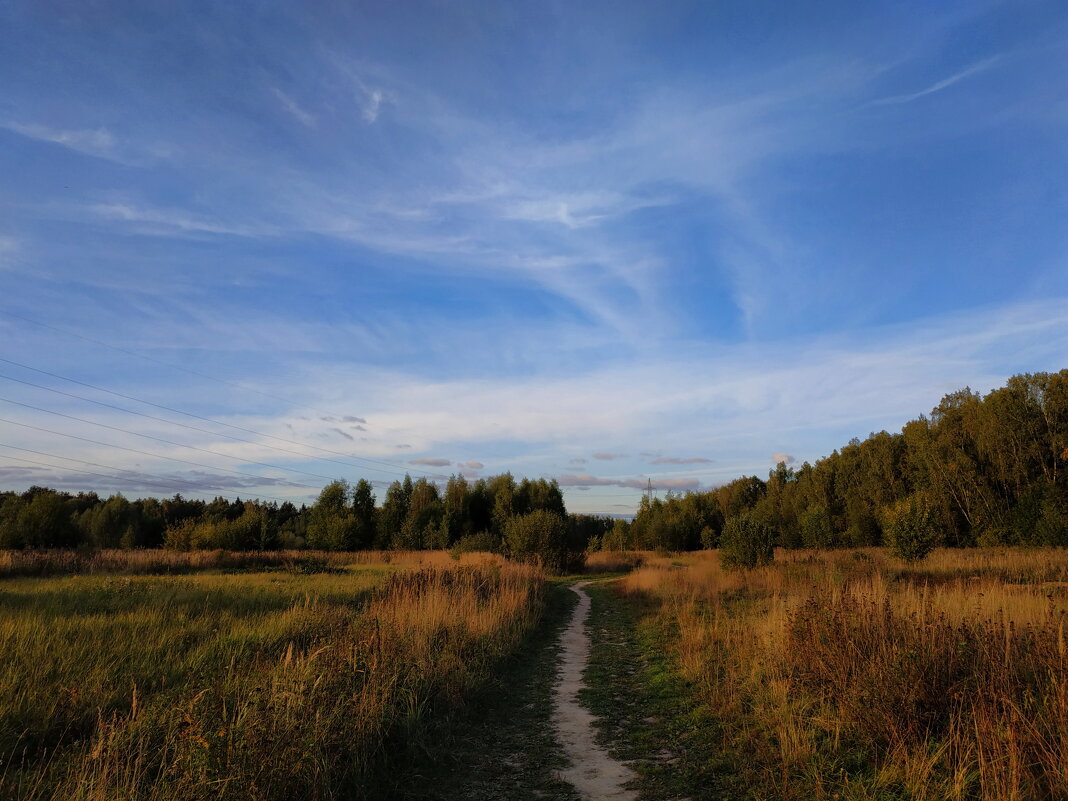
pixel 784 458
pixel 293 108
pixel 91 141
pixel 168 221
pixel 938 86
pixel 372 106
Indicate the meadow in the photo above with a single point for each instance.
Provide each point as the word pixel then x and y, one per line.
pixel 852 675
pixel 186 676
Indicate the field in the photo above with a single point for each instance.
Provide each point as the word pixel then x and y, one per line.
pixel 244 683
pixel 825 675
pixel 847 674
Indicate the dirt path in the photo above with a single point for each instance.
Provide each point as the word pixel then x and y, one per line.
pixel 594 773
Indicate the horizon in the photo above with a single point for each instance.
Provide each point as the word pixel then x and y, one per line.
pixel 606 245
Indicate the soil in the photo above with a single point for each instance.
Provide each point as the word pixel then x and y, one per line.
pixel 593 772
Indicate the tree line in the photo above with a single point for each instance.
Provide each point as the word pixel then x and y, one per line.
pixel 979 470
pixel 525 518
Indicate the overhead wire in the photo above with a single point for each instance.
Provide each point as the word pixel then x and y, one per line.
pixel 209 419
pixel 185 425
pixel 149 453
pixel 166 441
pixel 164 480
pixel 168 480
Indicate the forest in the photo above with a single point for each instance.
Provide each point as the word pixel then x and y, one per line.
pixel 985 470
pixel 979 470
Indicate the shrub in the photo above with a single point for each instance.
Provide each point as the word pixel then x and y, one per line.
pixel 482 542
pixel 746 542
pixel 911 528
pixel 540 537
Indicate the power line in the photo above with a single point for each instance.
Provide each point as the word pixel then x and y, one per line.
pixel 166 441
pixel 166 480
pixel 101 475
pixel 184 425
pixel 205 419
pixel 147 453
pixel 149 358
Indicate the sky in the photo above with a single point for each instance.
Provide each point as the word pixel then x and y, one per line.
pixel 247 248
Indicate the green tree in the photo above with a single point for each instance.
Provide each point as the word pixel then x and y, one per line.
pixel 331 521
pixel 815 524
pixel 364 514
pixel 746 542
pixel 911 527
pixel 540 537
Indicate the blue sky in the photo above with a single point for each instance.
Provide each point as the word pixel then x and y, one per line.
pixel 603 242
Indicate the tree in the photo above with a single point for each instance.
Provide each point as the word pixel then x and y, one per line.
pixel 746 542
pixel 815 524
pixel 364 514
pixel 539 537
pixel 392 515
pixel 912 530
pixel 45 522
pixel 332 523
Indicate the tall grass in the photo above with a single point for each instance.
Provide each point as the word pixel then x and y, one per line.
pixel 244 686
pixel 55 562
pixel 853 675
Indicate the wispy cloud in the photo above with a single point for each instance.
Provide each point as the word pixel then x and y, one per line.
pixel 939 86
pixel 92 141
pixel 153 220
pixel 783 458
pixel 471 465
pixel 608 457
pixel 293 108
pixel 430 462
pixel 372 105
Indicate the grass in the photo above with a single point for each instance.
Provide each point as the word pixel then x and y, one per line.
pixel 646 710
pixel 158 561
pixel 851 675
pixel 242 685
pixel 500 744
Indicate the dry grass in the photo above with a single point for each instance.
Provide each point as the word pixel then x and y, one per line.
pixel 60 562
pixel 614 561
pixel 853 675
pixel 245 686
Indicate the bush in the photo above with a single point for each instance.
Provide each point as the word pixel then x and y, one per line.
pixel 746 542
pixel 911 528
pixel 540 537
pixel 482 542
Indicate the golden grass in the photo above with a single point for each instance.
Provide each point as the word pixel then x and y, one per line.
pixel 947 679
pixel 244 686
pixel 162 561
